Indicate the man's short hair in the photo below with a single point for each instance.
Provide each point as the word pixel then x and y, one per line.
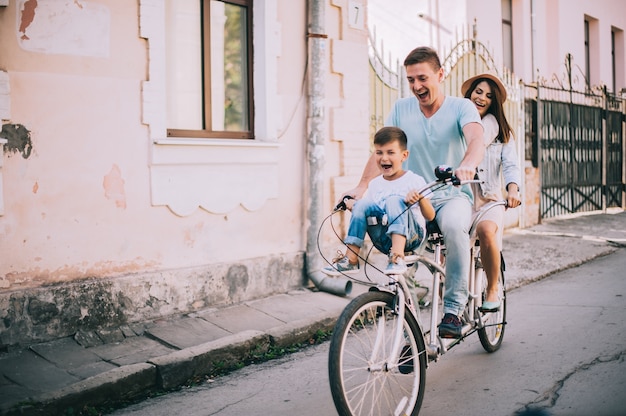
pixel 423 54
pixel 389 134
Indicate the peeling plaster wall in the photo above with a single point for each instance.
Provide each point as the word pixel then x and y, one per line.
pixel 48 312
pixel 81 243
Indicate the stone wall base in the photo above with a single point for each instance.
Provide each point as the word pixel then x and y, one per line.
pixel 45 313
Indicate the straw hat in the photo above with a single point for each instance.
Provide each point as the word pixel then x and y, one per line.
pixel 468 83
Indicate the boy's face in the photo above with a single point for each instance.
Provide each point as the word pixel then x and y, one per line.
pixel 389 158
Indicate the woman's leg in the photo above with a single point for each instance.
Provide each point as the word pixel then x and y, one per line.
pixel 490 256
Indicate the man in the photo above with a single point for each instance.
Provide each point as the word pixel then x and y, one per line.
pixel 441 131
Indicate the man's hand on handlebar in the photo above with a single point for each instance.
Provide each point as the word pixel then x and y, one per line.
pixel 465 173
pixel 445 173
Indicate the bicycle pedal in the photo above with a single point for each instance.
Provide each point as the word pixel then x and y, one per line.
pixel 465 329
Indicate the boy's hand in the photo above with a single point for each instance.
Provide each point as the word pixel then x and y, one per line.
pixel 353 194
pixel 412 197
pixel 346 203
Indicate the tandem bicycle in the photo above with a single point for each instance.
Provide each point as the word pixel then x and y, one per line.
pixel 380 346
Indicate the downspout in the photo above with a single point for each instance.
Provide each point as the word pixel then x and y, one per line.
pixel 315 150
pixel 533 38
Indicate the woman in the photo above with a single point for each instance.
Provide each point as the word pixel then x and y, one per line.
pixel 488 94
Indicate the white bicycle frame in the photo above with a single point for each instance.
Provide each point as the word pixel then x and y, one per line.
pixel 398 285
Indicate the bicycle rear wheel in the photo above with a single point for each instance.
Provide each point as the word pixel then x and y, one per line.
pixel 492 334
pixel 362 380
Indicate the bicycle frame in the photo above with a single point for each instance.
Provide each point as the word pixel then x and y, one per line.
pixel 436 346
pixel 379 350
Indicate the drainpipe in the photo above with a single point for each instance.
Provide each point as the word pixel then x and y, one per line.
pixel 315 150
pixel 533 38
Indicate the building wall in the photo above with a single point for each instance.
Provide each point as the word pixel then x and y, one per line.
pixel 107 221
pixel 545 31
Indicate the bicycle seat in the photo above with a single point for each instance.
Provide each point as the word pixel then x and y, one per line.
pixel 432 227
pixel 434 236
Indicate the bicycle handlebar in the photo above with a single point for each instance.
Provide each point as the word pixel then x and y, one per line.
pixel 341 206
pixel 444 175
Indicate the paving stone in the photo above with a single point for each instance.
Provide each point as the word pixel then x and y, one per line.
pixel 26 368
pixel 110 335
pixel 87 338
pixel 138 328
pixel 12 394
pixel 285 308
pixel 131 351
pixel 91 369
pixel 240 318
pixel 321 301
pixel 127 331
pixel 187 332
pixel 65 353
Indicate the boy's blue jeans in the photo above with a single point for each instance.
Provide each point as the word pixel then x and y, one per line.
pixel 400 220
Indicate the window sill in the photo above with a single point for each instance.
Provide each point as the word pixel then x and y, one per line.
pixel 216 175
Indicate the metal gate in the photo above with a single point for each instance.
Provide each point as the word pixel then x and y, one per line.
pixel 386 84
pixel 467 58
pixel 577 140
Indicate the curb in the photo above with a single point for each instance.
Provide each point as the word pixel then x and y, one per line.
pixel 174 370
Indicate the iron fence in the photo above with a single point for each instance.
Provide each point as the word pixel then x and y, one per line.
pixel 576 138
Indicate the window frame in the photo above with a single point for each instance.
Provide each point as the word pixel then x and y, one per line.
pixel 507 29
pixel 587 53
pixel 206 79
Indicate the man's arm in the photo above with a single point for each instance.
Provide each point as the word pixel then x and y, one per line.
pixel 369 172
pixel 474 154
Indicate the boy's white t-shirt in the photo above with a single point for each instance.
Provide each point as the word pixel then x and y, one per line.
pixel 380 189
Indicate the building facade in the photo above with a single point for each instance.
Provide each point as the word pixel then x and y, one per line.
pixel 131 190
pixel 166 156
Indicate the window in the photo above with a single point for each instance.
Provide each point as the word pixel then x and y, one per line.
pixel 587 55
pixel 613 71
pixel 617 59
pixel 507 34
pixel 208 66
pixel 617 43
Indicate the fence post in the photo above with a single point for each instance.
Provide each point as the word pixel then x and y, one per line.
pixel 539 156
pixel 605 161
pixel 623 107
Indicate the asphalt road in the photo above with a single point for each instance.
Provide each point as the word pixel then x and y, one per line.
pixel 564 353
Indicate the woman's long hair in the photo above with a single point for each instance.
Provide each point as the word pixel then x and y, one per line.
pixel 505 131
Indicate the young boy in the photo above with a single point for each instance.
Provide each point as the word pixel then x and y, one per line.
pixel 383 212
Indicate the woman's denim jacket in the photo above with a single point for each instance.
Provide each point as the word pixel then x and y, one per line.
pixel 498 156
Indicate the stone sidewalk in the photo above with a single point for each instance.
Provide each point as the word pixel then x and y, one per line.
pixel 102 369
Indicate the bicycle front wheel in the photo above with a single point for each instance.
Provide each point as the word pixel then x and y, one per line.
pixel 492 334
pixel 363 380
